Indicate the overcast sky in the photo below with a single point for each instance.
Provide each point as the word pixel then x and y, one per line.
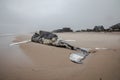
pixel 30 15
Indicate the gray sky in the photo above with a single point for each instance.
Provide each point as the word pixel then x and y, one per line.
pixel 30 15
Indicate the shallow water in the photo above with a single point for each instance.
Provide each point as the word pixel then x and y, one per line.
pixel 12 59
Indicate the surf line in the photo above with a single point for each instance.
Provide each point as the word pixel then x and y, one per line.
pixel 70 40
pixel 4 35
pixel 101 48
pixel 17 43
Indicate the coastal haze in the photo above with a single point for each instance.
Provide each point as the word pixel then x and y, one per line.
pixel 22 59
pixel 20 16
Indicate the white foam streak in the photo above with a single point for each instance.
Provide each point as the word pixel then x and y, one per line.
pixel 101 48
pixel 17 43
pixel 70 40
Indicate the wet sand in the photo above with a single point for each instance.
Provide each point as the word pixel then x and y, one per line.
pixel 35 61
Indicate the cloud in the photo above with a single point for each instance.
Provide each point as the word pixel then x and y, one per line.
pixel 53 14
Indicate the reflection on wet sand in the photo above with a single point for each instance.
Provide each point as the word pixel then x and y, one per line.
pixel 12 60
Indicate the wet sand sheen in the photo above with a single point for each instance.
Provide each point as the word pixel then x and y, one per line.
pixel 42 62
pixel 12 60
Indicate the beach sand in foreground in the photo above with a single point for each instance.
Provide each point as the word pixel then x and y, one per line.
pixel 52 63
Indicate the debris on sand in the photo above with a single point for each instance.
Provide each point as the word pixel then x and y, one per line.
pixel 49 38
pixel 78 57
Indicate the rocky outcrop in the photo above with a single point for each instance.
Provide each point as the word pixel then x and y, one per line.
pixel 98 28
pixel 66 29
pixel 115 27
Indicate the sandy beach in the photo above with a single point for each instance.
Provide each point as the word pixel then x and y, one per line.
pixel 43 62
